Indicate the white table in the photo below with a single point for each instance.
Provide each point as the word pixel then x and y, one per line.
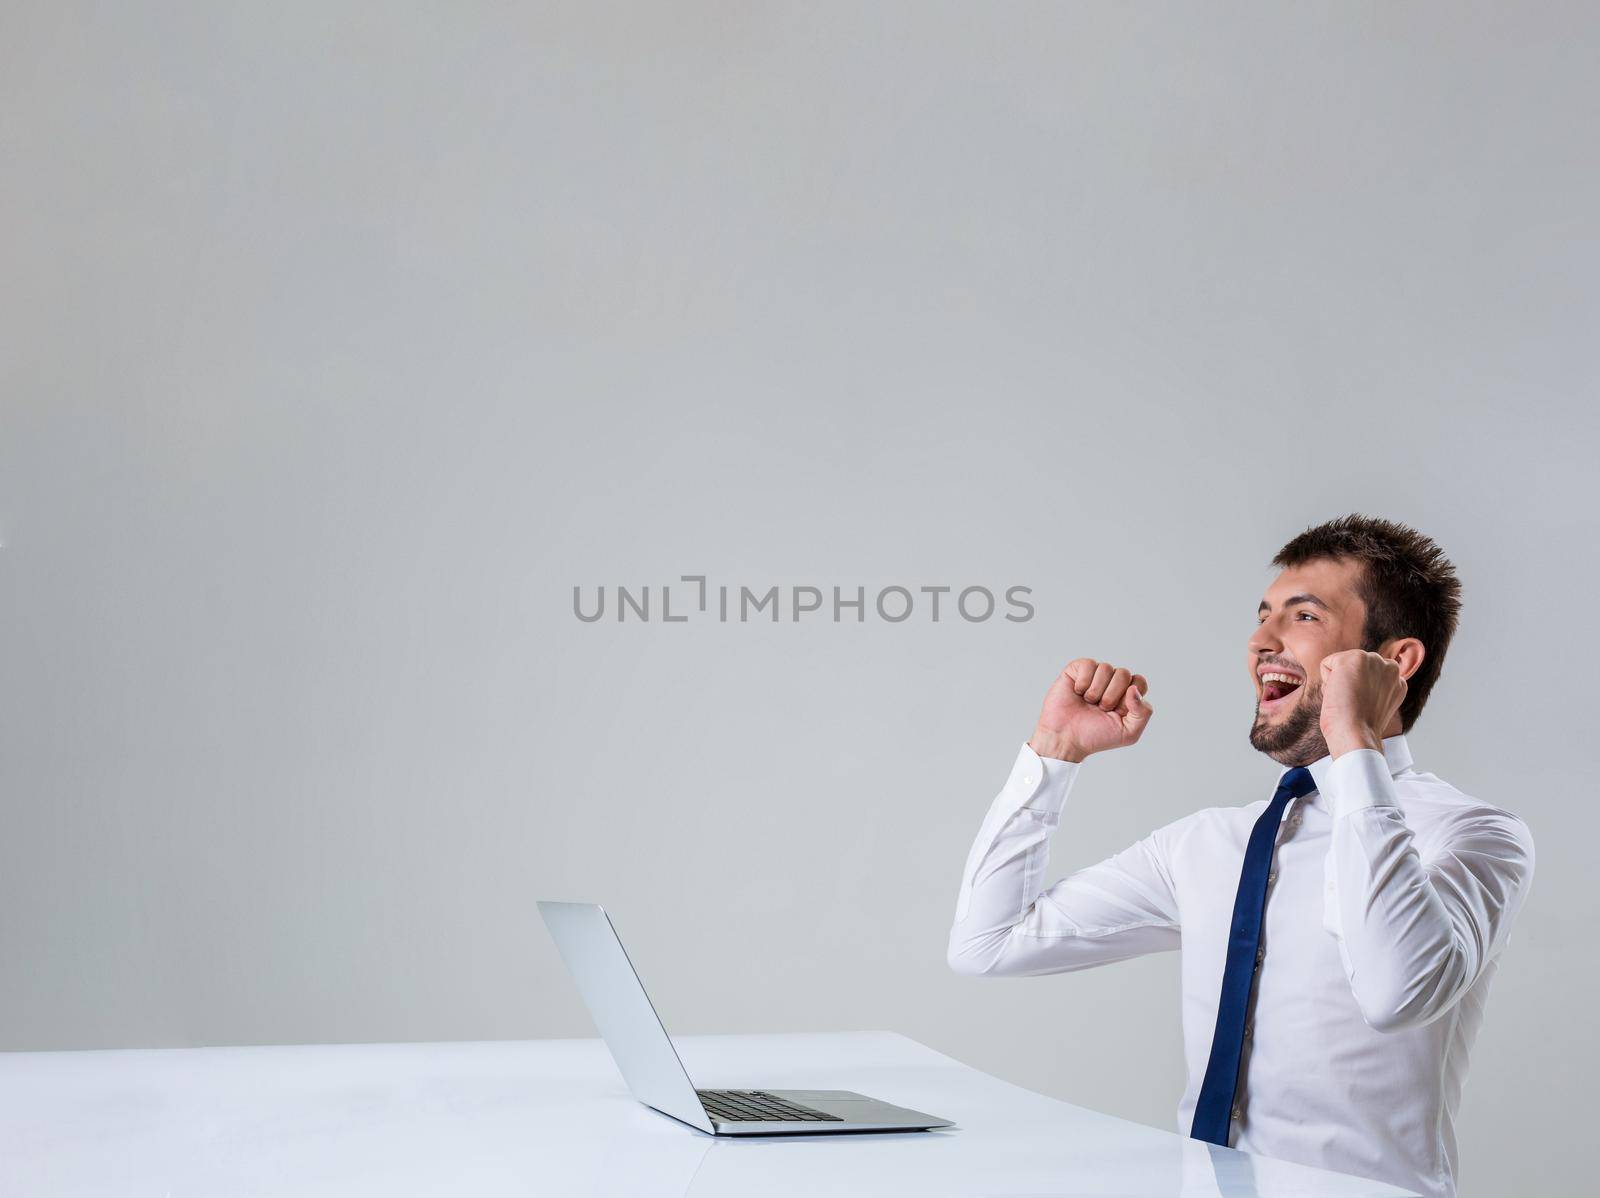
pixel 552 1117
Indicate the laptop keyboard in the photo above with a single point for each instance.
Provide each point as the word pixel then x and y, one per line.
pixel 740 1106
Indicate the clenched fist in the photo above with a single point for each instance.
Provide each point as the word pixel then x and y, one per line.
pixel 1361 692
pixel 1091 706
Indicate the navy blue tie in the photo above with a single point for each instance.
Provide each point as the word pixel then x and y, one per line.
pixel 1215 1104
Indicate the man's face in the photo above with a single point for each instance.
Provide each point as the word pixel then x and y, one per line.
pixel 1308 612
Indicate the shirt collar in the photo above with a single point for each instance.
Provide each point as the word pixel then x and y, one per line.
pixel 1396 754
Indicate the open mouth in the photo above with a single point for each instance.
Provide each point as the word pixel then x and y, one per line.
pixel 1276 688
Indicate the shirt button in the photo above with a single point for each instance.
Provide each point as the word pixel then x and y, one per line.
pixel 1261 955
pixel 1248 1028
pixel 1272 877
pixel 1236 1113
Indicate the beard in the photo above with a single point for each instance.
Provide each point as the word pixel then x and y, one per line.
pixel 1295 738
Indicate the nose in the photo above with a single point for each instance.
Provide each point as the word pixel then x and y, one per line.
pixel 1264 639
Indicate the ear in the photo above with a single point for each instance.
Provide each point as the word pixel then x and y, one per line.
pixel 1407 651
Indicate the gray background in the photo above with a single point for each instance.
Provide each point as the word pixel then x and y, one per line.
pixel 341 342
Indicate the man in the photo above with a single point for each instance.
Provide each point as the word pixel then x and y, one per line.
pixel 1339 937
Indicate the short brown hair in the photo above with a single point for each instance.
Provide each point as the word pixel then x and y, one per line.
pixel 1408 586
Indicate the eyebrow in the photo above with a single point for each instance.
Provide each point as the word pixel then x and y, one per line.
pixel 1292 600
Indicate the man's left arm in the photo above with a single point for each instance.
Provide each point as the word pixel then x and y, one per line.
pixel 1417 933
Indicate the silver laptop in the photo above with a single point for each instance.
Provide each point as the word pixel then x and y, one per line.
pixel 649 1063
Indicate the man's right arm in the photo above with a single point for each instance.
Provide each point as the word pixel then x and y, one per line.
pixel 1005 923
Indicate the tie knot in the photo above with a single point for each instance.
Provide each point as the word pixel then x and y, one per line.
pixel 1297 783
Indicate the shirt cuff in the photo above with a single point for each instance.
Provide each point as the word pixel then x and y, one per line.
pixel 1358 779
pixel 1041 783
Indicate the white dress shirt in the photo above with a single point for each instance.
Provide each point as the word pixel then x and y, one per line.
pixel 1390 900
